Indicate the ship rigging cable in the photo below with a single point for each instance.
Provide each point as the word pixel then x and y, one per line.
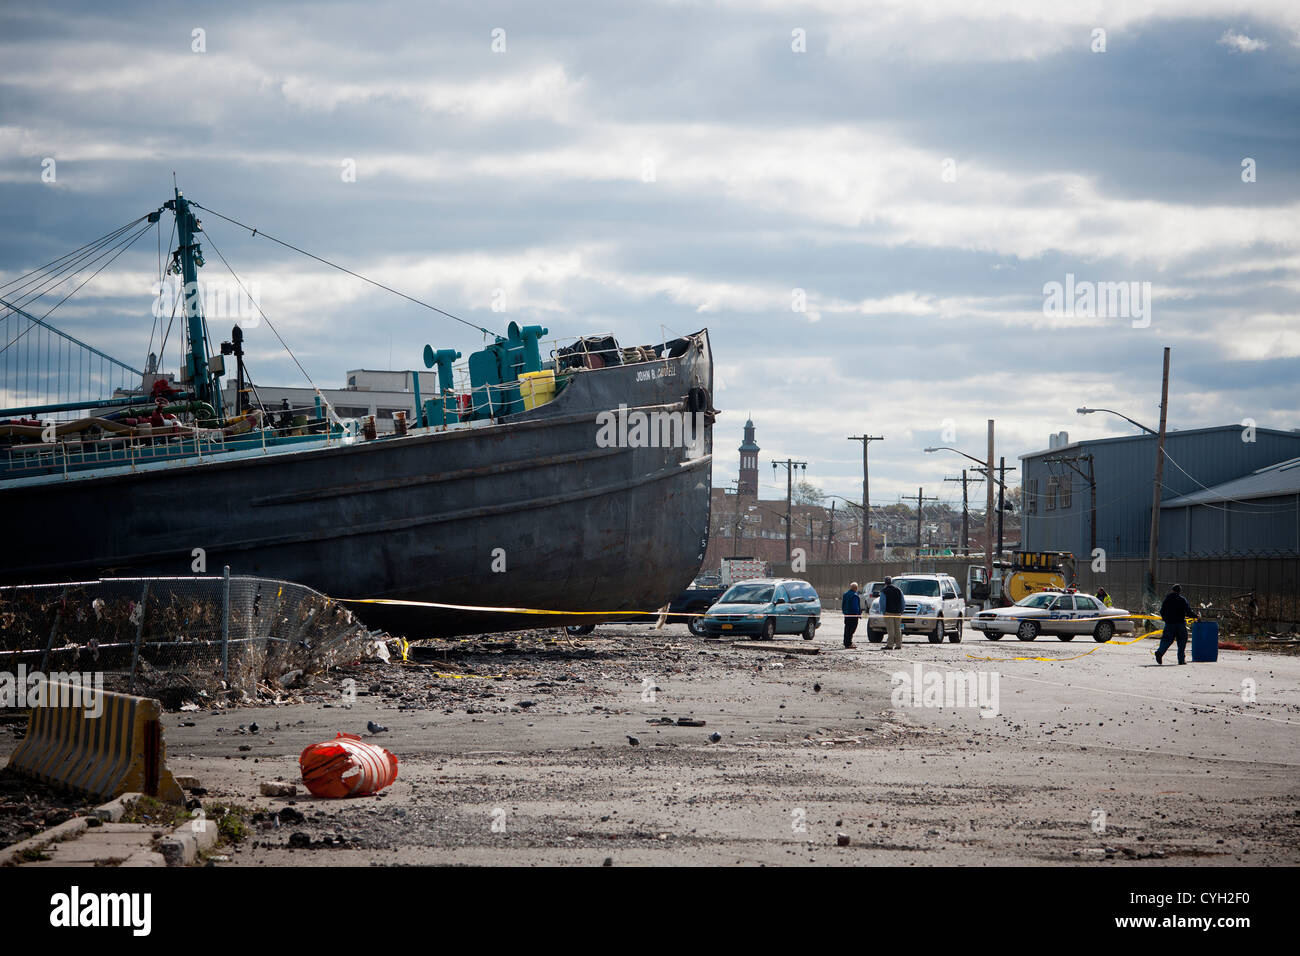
pixel 121 247
pixel 258 306
pixel 334 265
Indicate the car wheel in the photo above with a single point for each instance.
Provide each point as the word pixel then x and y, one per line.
pixel 769 629
pixel 577 630
pixel 693 625
pixel 1027 631
pixel 1065 637
pixel 955 636
pixel 875 637
pixel 992 636
pixel 1103 632
pixel 810 629
pixel 936 636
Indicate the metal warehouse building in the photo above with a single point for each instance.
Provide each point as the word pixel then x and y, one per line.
pixel 1223 494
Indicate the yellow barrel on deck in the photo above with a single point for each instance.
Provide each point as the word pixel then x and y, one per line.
pixel 537 388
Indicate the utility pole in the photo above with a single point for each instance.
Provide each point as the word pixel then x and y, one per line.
pixel 988 510
pixel 1091 478
pixel 866 496
pixel 790 465
pixel 965 514
pixel 920 497
pixel 830 532
pixel 1002 489
pixel 737 519
pixel 1002 500
pixel 1158 484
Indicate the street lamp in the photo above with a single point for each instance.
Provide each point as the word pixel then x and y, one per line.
pixel 1088 411
pixel 962 453
pixel 987 469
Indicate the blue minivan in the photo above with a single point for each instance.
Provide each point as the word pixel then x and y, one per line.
pixel 765 607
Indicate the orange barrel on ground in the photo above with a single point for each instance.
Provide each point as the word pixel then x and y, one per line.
pixel 346 766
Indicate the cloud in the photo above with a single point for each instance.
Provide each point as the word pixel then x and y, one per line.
pixel 1240 43
pixel 522 178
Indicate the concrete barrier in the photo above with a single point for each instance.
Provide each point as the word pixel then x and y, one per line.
pixel 112 748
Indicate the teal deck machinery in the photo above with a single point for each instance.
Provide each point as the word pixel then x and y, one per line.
pixel 493 376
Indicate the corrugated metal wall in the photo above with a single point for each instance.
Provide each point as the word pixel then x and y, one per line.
pixel 1125 469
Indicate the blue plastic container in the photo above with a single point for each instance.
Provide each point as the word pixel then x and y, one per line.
pixel 1205 642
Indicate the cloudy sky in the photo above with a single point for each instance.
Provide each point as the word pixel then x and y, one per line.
pixel 862 201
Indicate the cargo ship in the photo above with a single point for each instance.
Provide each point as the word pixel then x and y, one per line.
pixel 573 480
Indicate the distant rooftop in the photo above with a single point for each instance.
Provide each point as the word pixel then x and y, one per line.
pixel 1144 437
pixel 1271 482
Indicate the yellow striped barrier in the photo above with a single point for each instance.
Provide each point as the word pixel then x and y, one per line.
pixel 97 742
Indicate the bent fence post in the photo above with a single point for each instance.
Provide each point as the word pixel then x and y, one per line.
pixel 225 624
pixel 49 645
pixel 139 632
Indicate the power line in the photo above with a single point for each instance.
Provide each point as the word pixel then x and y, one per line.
pixel 335 265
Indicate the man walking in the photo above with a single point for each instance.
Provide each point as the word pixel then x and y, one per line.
pixel 891 605
pixel 851 605
pixel 1174 611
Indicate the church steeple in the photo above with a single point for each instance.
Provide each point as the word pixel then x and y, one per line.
pixel 748 484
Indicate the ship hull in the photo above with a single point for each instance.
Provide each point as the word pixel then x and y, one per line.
pixel 537 511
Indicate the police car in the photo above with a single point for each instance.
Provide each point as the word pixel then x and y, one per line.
pixel 1060 612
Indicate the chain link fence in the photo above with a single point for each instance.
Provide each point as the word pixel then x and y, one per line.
pixel 178 639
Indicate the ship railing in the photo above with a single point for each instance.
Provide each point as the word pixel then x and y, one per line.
pixel 111 450
pixel 551 349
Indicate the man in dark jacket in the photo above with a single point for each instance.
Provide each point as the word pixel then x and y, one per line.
pixel 891 605
pixel 1174 611
pixel 851 605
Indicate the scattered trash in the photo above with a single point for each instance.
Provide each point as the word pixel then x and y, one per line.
pixel 689 722
pixel 277 788
pixel 715 737
pixel 347 767
pixel 841 839
pixel 635 742
pixel 375 728
pixel 817 688
pixel 186 782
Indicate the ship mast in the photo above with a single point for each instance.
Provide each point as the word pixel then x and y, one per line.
pixel 204 383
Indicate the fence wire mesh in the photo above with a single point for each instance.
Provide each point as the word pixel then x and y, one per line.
pixel 204 638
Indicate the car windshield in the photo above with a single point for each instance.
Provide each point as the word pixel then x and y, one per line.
pixel 922 588
pixel 1037 600
pixel 748 594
